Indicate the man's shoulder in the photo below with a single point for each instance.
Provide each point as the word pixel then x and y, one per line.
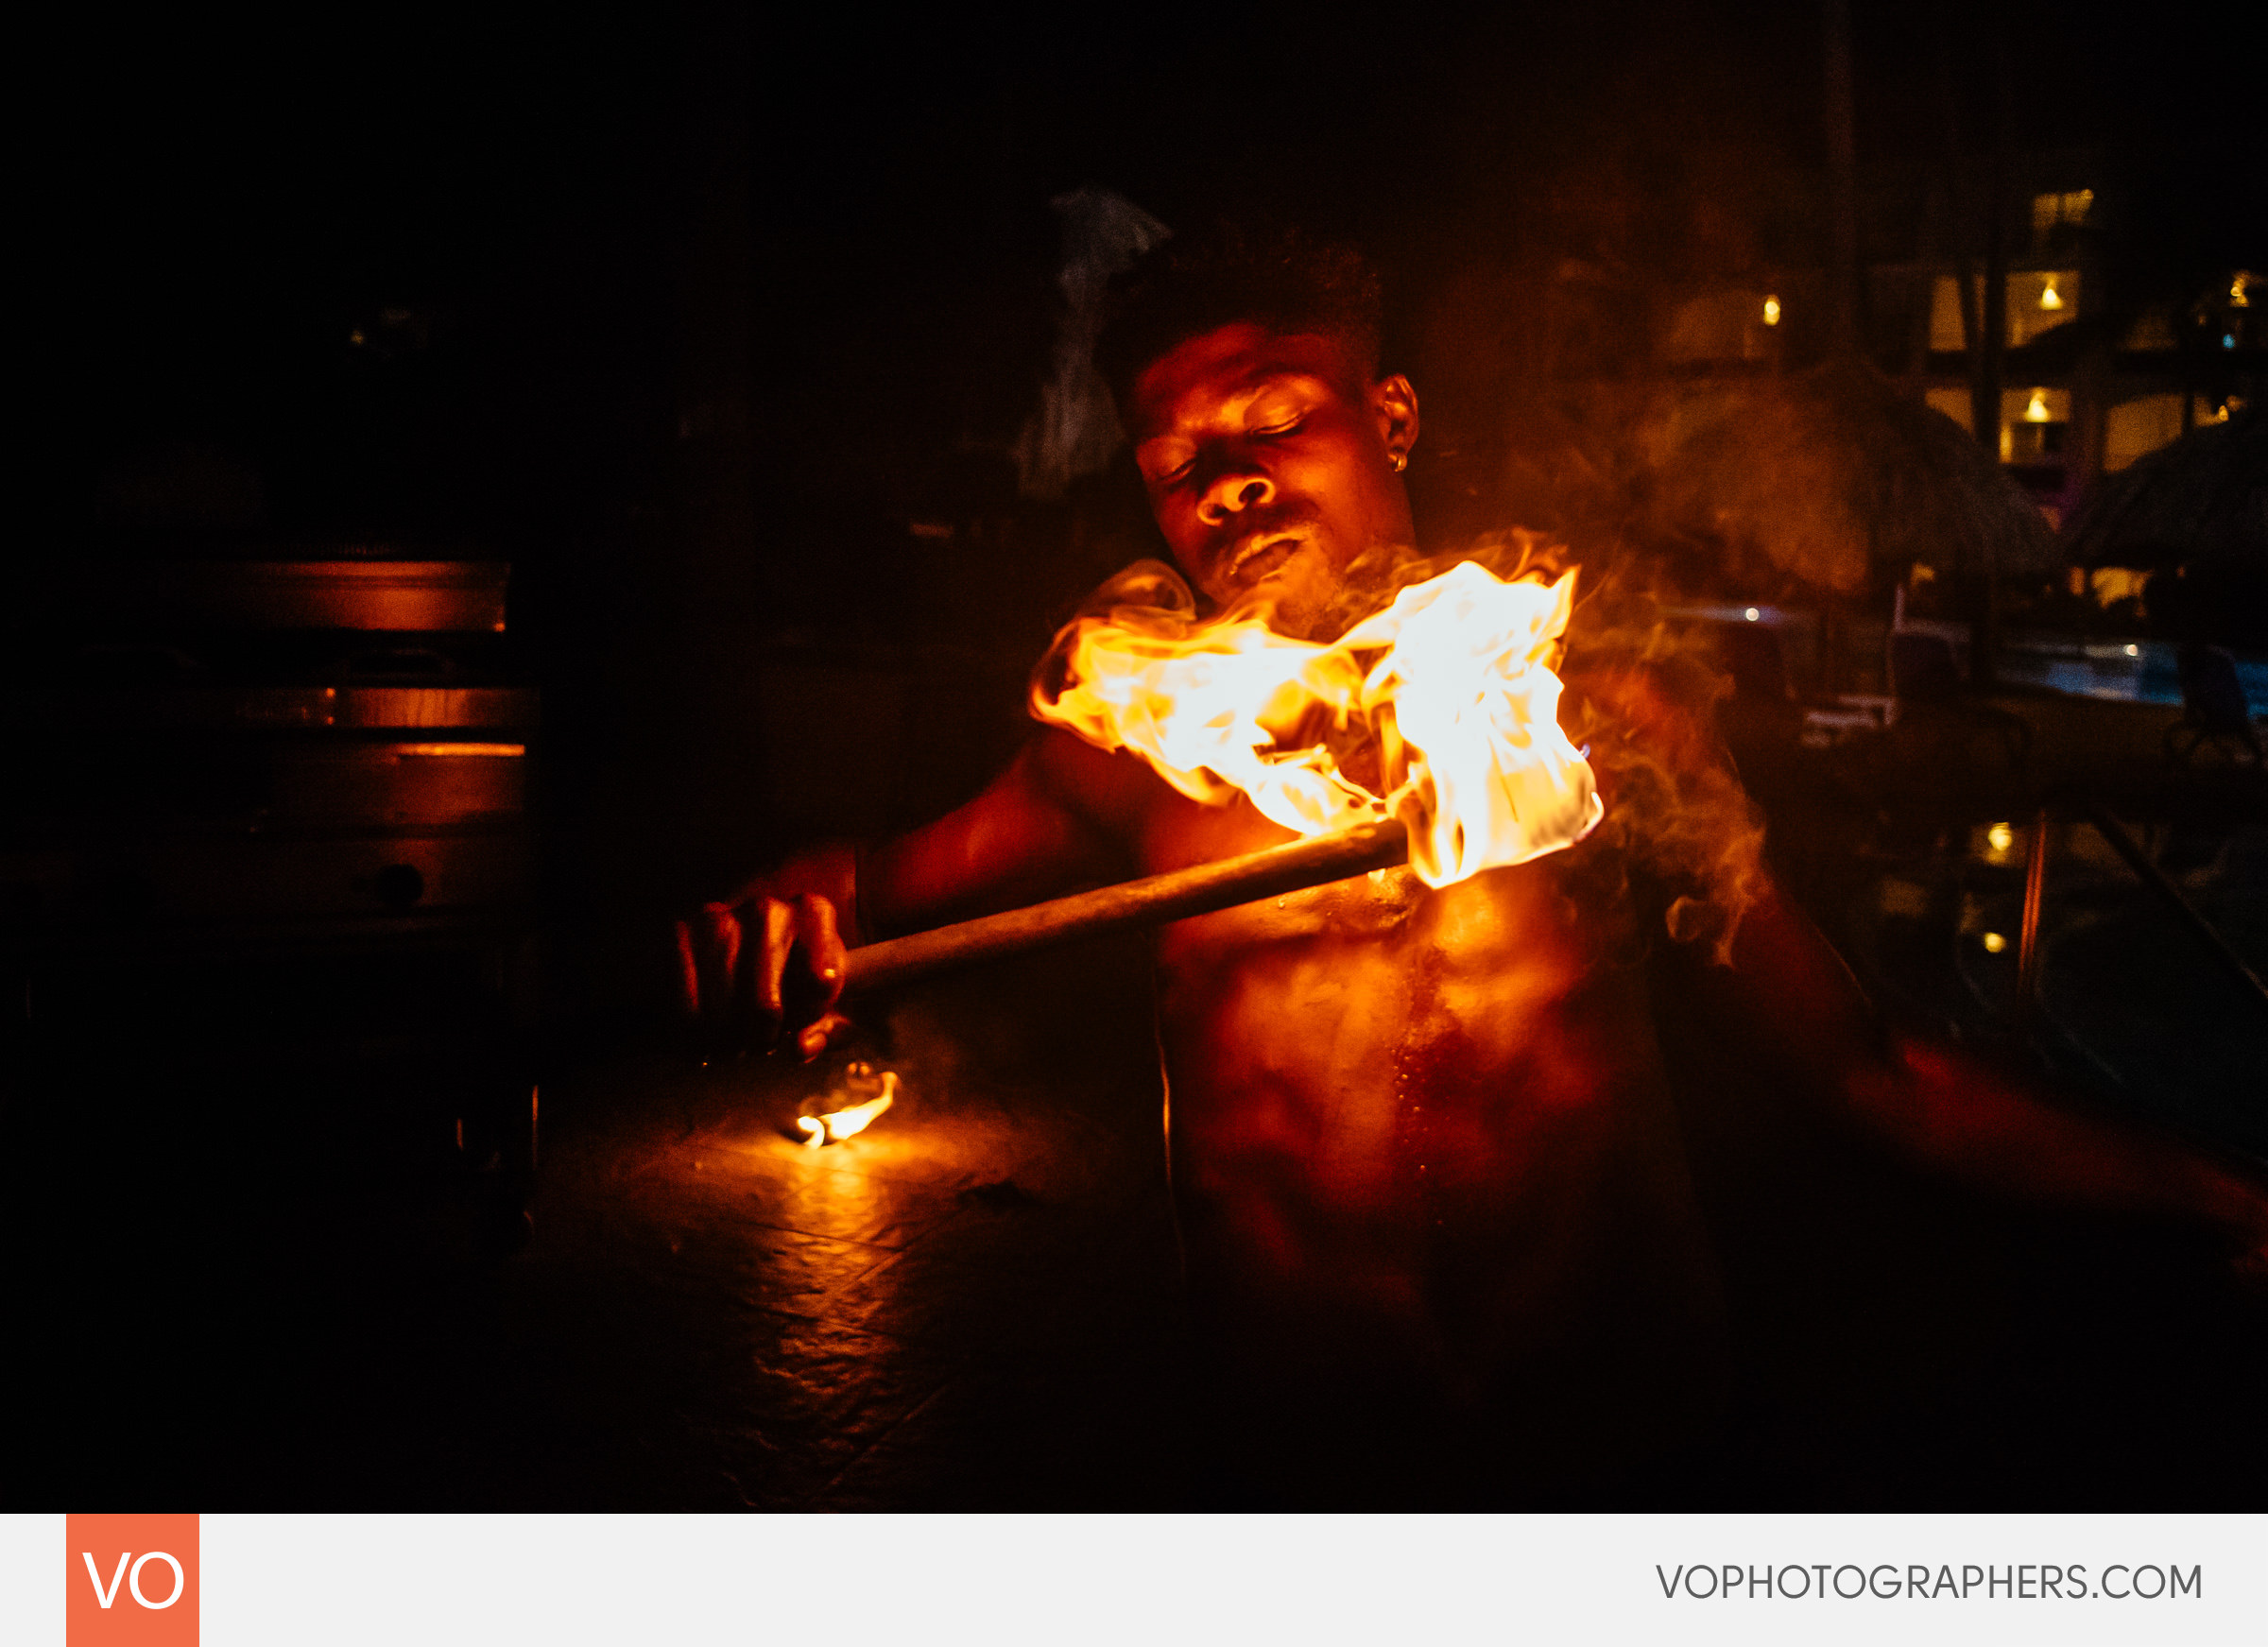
pixel 1108 789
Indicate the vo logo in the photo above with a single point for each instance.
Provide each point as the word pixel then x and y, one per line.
pixel 131 1581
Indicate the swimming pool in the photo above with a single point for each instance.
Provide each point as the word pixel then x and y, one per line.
pixel 2122 671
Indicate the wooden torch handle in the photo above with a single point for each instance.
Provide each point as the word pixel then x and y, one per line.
pixel 1150 902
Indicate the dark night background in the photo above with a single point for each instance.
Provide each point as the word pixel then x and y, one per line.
pixel 721 328
pixel 699 311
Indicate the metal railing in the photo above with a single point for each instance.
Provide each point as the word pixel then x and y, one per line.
pixel 2115 836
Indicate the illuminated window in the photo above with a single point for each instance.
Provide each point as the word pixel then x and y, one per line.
pixel 2037 299
pixel 1945 316
pixel 2138 427
pixel 2053 213
pixel 2112 584
pixel 2135 428
pixel 2033 423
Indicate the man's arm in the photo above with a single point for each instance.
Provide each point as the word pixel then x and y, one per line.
pixel 769 959
pixel 1788 993
pixel 1787 990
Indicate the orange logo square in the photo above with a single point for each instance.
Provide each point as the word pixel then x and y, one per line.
pixel 131 1581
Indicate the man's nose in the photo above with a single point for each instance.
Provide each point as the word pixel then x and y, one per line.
pixel 1238 485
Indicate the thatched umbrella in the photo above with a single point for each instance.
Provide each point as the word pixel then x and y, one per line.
pixel 1831 472
pixel 2196 512
pixel 2201 501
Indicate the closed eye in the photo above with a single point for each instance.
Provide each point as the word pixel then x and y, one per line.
pixel 1170 477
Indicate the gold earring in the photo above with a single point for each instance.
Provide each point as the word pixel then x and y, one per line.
pixel 1401 461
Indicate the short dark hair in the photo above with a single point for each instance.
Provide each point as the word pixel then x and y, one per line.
pixel 1280 279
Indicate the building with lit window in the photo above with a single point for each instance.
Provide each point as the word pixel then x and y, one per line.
pixel 2091 378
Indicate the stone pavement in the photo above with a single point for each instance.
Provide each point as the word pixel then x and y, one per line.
pixel 973 1305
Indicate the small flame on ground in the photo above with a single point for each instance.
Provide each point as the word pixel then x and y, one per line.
pixel 836 1125
pixel 1445 700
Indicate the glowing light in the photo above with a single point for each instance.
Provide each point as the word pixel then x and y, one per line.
pixel 1752 615
pixel 2037 411
pixel 2000 838
pixel 2240 293
pixel 2049 297
pixel 2113 584
pixel 1445 702
pixel 835 1125
pixel 842 1123
pixel 2133 650
pixel 1993 943
pixel 1771 311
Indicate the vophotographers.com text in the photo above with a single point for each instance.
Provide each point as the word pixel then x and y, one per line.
pixel 1889 1581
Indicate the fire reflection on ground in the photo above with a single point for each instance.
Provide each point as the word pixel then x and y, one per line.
pixel 972 1304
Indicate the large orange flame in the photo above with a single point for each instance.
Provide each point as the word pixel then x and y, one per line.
pixel 1445 704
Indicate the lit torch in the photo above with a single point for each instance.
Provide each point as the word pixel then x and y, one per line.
pixel 1429 735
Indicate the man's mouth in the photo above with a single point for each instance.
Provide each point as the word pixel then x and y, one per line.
pixel 1260 556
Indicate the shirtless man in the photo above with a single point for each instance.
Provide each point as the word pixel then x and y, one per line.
pixel 1442 1245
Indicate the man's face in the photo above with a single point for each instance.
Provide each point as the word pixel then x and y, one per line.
pixel 1270 463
